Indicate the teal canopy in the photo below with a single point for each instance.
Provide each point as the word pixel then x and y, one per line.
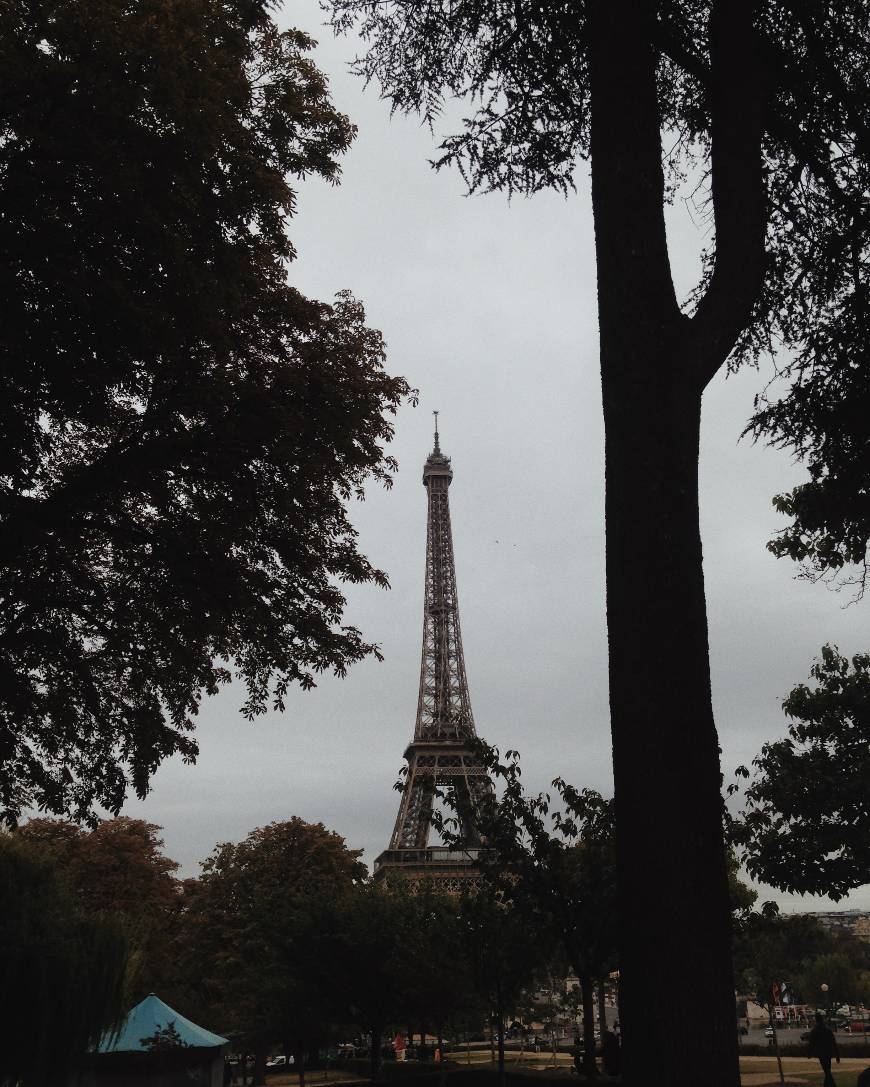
pixel 146 1019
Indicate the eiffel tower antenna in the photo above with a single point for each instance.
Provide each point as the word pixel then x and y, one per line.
pixel 441 752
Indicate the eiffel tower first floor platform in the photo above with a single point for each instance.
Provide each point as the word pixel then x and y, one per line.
pixel 455 767
pixel 445 869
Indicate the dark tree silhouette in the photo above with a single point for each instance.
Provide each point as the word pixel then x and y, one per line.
pixel 258 933
pixel 62 971
pixel 555 864
pixel 118 870
pixel 764 101
pixel 805 825
pixel 179 427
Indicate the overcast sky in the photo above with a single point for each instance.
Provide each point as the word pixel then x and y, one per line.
pixel 489 309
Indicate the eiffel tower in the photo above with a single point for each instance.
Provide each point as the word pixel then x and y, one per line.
pixel 441 752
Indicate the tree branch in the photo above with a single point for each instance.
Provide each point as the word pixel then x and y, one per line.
pixel 736 96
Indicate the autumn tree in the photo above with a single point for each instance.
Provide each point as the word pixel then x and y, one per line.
pixel 762 106
pixel 180 428
pixel 118 871
pixel 61 970
pixel 805 822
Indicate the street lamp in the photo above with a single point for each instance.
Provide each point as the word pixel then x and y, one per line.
pixel 824 988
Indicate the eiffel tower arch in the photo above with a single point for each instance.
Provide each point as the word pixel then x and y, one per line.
pixel 441 753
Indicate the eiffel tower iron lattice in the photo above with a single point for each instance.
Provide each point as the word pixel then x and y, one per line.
pixel 441 753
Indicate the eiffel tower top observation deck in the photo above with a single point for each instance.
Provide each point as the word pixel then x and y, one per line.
pixel 441 752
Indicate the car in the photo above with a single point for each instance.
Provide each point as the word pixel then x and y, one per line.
pixel 280 1062
pixel 769 1032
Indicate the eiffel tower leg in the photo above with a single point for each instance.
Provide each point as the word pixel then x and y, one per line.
pixel 415 812
pixel 464 800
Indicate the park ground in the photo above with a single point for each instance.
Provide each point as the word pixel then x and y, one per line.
pixel 755 1071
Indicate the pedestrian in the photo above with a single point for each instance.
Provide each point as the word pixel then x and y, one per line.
pixel 610 1056
pixel 823 1044
pixel 399 1046
pixel 864 1079
pixel 577 1055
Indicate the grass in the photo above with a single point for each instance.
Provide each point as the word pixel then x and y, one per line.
pixel 803 1070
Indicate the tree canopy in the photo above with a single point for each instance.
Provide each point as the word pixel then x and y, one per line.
pixel 61 971
pixel 256 935
pixel 555 865
pixel 805 825
pixel 180 428
pixel 118 871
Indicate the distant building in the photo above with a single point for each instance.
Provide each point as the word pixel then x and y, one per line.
pixel 844 922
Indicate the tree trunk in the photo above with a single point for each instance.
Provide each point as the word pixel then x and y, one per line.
pixel 602 1006
pixel 673 894
pixel 375 1055
pixel 260 1066
pixel 499 1011
pixel 300 1064
pixel 587 993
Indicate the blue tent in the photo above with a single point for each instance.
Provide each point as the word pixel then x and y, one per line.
pixel 149 1017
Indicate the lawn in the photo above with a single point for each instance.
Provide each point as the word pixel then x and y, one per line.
pixel 762 1070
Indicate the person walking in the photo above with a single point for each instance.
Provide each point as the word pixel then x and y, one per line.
pixel 823 1044
pixel 610 1053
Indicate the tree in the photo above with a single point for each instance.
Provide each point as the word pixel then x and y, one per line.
pixel 118 871
pixel 502 953
pixel 557 868
pixel 769 954
pixel 762 103
pixel 377 928
pixel 435 981
pixel 805 827
pixel 180 428
pixel 257 944
pixel 772 951
pixel 62 971
pixel 845 983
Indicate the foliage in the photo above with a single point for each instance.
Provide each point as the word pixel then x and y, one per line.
pixel 805 827
pixel 525 67
pixel 180 428
pixel 164 1038
pixel 771 950
pixel 376 946
pixel 118 871
pixel 257 934
pixel 502 952
pixel 846 984
pixel 61 971
pixel 435 978
pixel 555 866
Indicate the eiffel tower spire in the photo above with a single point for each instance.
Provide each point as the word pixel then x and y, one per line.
pixel 441 752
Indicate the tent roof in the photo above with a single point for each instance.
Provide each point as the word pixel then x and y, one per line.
pixel 145 1020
